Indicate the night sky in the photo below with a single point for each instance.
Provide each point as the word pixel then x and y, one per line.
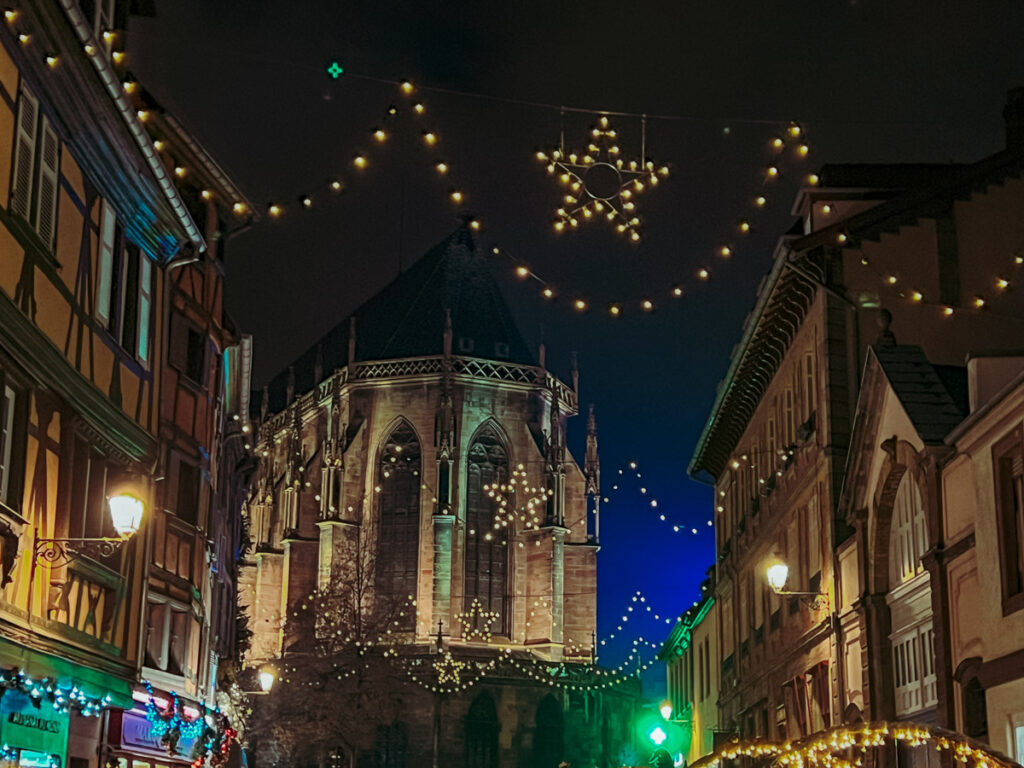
pixel 869 81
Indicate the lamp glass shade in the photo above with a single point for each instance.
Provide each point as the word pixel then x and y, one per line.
pixel 267 680
pixel 778 574
pixel 125 514
pixel 665 709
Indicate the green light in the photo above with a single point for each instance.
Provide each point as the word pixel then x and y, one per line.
pixel 335 70
pixel 658 736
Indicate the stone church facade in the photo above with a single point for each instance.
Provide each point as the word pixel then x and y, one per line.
pixel 389 438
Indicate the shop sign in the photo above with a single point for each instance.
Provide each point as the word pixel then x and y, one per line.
pixel 23 725
pixel 136 731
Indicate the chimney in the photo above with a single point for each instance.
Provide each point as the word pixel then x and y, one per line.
pixel 1013 114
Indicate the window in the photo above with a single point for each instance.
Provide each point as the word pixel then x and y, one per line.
pixel 6 442
pixel 36 159
pixel 913 662
pixel 187 503
pixel 398 508
pixel 145 305
pixel 773 448
pixel 87 470
pixel 99 14
pixel 1008 461
pixel 107 248
pixel 810 386
pixel 547 735
pixel 482 733
pixel 486 549
pixel 789 427
pixel 167 630
pixel 390 749
pixel 188 349
pixel 908 538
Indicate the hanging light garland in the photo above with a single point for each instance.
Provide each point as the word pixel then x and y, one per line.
pixel 631 471
pixel 820 749
pixel 62 698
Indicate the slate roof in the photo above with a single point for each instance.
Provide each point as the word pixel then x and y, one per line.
pixel 407 317
pixel 923 391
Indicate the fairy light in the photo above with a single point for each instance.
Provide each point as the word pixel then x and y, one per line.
pixel 725 251
pixel 442 168
pixel 11 15
pixel 359 161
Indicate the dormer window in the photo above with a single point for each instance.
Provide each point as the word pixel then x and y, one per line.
pixel 501 350
pixel 465 345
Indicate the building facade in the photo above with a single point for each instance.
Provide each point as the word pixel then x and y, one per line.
pixel 983 525
pixel 418 452
pixel 825 455
pixel 97 229
pixel 692 666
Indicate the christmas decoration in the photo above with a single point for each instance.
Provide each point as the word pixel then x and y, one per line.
pixel 476 622
pixel 170 725
pixel 599 184
pixel 61 698
pixel 845 746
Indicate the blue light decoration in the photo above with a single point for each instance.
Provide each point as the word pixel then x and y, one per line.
pixel 335 70
pixel 171 725
pixel 62 698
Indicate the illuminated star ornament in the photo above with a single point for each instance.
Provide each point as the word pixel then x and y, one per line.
pixel 599 184
pixel 448 669
pixel 476 622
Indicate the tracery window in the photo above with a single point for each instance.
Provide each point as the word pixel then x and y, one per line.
pixel 482 733
pixel 398 509
pixel 486 547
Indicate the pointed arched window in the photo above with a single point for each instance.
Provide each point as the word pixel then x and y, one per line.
pixel 547 734
pixel 486 547
pixel 398 508
pixel 482 733
pixel 908 535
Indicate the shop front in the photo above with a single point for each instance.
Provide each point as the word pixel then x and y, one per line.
pixel 34 733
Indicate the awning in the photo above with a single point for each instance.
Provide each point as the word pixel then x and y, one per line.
pixel 92 682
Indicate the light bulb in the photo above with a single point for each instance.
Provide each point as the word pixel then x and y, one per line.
pixel 760 201
pixel 419 109
pixel 442 167
pixel 677 291
pixel 916 296
pixel 647 305
pixel 548 293
pixel 614 310
pixel 580 305
pixel 206 194
pixel 379 135
pixel 703 273
pixel 51 61
pixel 1002 283
pixel 430 137
pixel 522 272
pixel 406 86
pixel 725 251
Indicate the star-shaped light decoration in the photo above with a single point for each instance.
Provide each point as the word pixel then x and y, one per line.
pixel 449 670
pixel 599 184
pixel 476 622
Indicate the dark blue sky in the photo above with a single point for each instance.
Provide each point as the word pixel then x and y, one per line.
pixel 870 80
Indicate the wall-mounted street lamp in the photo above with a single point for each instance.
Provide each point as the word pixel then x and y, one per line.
pixel 126 512
pixel 267 678
pixel 778 574
pixel 666 709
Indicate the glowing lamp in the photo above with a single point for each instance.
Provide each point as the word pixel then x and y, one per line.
pixel 126 514
pixel 777 574
pixel 666 709
pixel 267 678
pixel 657 735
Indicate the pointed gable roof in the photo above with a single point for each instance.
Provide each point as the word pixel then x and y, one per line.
pixel 923 389
pixel 407 317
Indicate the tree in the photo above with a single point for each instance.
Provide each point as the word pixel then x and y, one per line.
pixel 338 682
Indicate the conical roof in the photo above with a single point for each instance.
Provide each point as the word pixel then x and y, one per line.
pixel 407 317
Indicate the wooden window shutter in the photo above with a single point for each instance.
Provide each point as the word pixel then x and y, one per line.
pixel 46 207
pixel 24 152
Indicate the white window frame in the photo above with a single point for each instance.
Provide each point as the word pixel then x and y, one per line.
pixel 105 263
pixel 6 438
pixel 165 646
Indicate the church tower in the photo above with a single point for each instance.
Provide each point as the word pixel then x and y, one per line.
pixel 388 444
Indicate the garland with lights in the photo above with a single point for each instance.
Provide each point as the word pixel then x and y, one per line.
pixel 170 725
pixel 62 699
pixel 820 749
pixel 632 469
